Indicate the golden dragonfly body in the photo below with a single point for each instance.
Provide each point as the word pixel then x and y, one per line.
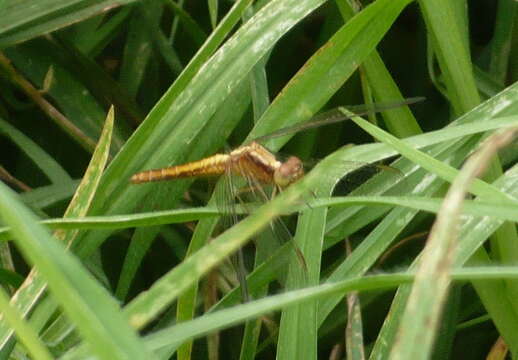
pixel 253 162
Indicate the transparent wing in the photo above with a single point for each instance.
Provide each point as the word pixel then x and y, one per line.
pixel 240 193
pixel 278 232
pixel 227 201
pixel 358 181
pixel 357 173
pixel 335 115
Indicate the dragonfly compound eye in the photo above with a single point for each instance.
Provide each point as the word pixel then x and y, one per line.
pixel 290 171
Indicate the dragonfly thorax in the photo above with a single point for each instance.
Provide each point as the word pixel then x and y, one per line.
pixel 255 161
pixel 288 172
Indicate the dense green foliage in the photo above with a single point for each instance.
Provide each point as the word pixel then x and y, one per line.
pixel 416 262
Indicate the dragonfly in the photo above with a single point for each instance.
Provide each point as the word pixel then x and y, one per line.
pixel 257 165
pixel 255 162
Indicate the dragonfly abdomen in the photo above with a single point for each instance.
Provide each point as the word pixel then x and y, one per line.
pixel 212 166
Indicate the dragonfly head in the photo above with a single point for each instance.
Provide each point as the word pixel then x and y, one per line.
pixel 290 171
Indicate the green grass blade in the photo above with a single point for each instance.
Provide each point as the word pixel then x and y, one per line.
pixel 479 208
pixel 34 285
pixel 49 195
pixel 23 331
pixel 420 321
pixel 74 99
pixel 445 29
pixel 225 318
pixel 136 56
pixel 359 262
pixel 94 312
pixel 87 304
pixel 501 44
pixel 446 172
pixel 191 26
pixel 91 37
pixel 474 231
pixel 44 161
pixel 21 22
pixel 400 122
pixel 332 65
